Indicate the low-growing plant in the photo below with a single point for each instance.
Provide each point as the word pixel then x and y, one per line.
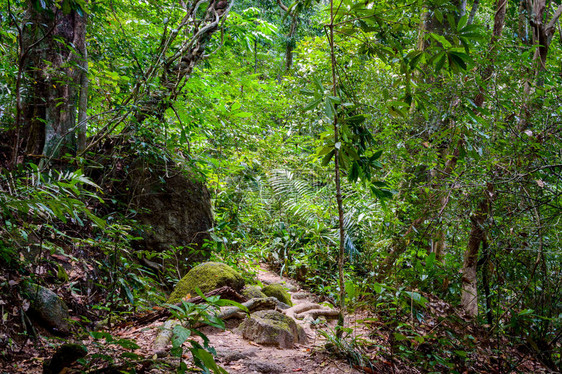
pixel 190 315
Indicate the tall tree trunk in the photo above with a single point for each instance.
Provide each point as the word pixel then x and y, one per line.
pixel 488 70
pixel 83 104
pixel 52 71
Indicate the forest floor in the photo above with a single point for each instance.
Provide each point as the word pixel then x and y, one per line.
pixel 237 355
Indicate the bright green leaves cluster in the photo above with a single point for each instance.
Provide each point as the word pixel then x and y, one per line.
pixel 189 315
pixel 355 140
pixel 247 28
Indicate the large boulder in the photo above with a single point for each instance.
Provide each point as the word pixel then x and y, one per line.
pixel 175 210
pixel 48 307
pixel 277 291
pixel 207 277
pixel 269 327
pixel 169 201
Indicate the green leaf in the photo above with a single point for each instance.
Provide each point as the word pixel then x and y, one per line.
pixel 180 335
pixel 355 120
pixel 241 115
pixel 441 39
pixel 376 156
pixel 312 104
pixel 334 99
pixel 326 160
pixel 440 61
pixel 325 150
pixel 354 172
pixel 318 84
pixel 308 92
pixel 462 22
pixel 328 109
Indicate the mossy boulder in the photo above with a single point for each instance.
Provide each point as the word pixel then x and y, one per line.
pixel 207 277
pixel 50 309
pixel 269 327
pixel 277 291
pixel 252 292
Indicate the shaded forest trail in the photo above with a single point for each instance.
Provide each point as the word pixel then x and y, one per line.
pixel 238 355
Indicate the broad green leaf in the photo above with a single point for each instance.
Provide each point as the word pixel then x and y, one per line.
pixel 241 115
pixel 312 104
pixel 441 39
pixel 326 160
pixel 180 335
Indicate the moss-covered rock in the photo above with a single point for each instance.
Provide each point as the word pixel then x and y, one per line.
pixel 277 291
pixel 207 277
pixel 252 292
pixel 48 307
pixel 269 327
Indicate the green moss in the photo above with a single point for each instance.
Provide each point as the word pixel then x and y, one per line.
pixel 252 292
pixel 277 291
pixel 207 277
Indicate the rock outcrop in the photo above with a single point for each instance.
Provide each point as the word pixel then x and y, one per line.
pixel 168 200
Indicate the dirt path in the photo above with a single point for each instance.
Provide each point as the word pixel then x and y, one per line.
pixel 238 355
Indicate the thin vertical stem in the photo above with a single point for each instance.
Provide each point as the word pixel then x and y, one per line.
pixel 341 252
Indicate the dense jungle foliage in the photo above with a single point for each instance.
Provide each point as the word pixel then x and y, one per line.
pixel 383 153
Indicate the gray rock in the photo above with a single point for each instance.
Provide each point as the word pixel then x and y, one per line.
pixel 50 308
pixel 269 327
pixel 226 356
pixel 172 204
pixel 266 368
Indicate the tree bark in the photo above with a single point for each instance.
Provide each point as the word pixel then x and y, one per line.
pixel 290 37
pixel 341 250
pixel 52 70
pixel 478 233
pixel 83 104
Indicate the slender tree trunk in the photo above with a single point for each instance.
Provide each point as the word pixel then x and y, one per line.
pixel 478 234
pixel 341 251
pixel 291 43
pixel 473 11
pixel 290 37
pixel 488 70
pixel 469 295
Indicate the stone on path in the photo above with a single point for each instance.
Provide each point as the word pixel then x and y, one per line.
pixel 269 327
